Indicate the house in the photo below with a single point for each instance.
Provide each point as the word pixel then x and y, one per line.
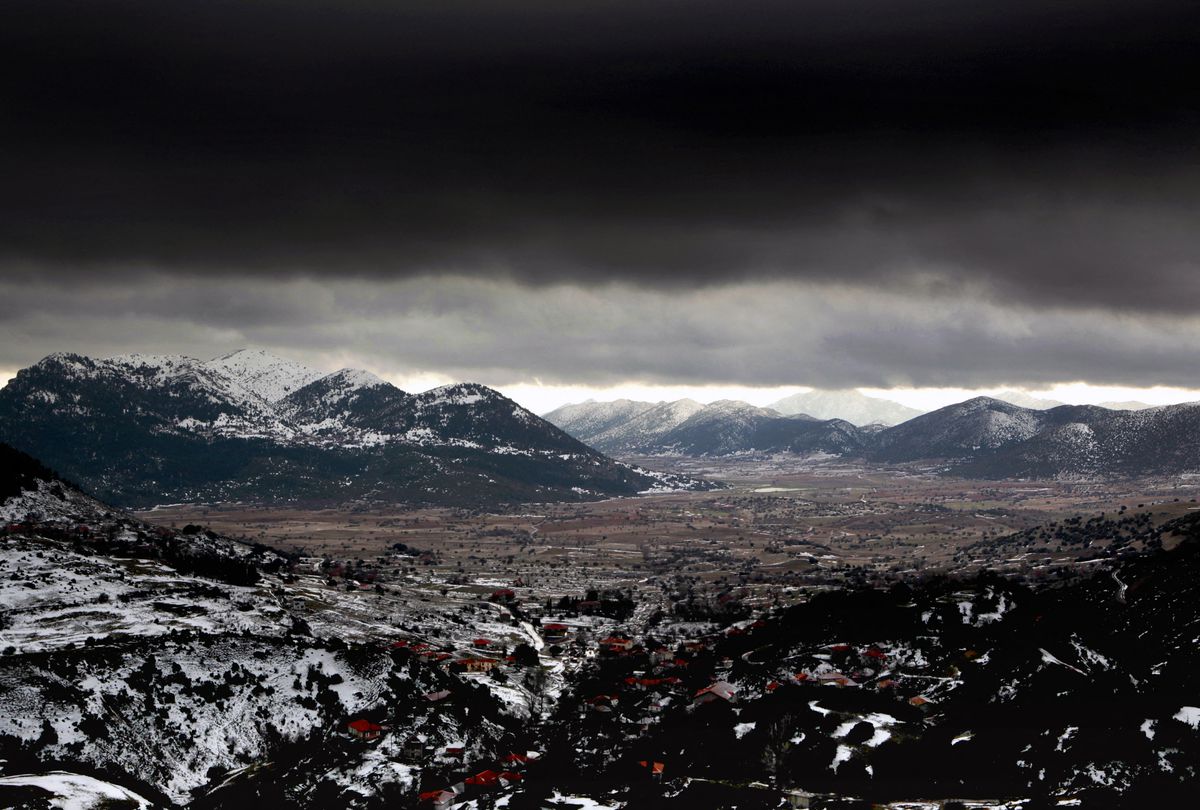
pixel 617 644
pixel 365 730
pixel 836 678
pixel 603 703
pixel 515 761
pixel 655 769
pixel 454 752
pixel 482 643
pixel 798 798
pixel 876 653
pixel 717 691
pixel 919 700
pixel 474 664
pixel 484 779
pixel 438 799
pixel 555 631
pixel 503 595
pixel 439 696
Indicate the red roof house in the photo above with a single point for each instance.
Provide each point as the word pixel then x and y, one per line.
pixel 488 778
pixel 365 730
pixel 717 691
pixel 438 798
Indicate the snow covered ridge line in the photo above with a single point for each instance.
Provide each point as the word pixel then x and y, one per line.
pixel 252 394
pixel 141 430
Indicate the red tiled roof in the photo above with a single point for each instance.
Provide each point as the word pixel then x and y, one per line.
pixel 654 767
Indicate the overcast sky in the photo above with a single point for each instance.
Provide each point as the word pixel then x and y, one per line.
pixel 612 196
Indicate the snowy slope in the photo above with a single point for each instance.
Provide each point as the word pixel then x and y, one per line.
pixel 263 373
pixel 588 420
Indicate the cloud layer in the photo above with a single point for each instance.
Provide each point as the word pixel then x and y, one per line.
pixel 804 192
pixel 503 332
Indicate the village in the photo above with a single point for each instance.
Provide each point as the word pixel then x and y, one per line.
pixel 640 624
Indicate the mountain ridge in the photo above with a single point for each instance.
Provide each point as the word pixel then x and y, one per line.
pixel 145 429
pixel 982 436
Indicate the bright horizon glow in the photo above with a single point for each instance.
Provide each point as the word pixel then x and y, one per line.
pixel 541 398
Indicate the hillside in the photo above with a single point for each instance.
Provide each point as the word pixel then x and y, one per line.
pixel 980 687
pixel 165 660
pixel 991 438
pixel 141 430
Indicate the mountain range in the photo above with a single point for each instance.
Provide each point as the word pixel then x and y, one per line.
pixel 854 407
pixel 138 430
pixel 983 436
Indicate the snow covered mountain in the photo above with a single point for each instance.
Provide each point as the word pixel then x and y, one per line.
pixel 1126 405
pixel 264 374
pixel 141 430
pixel 1023 400
pixel 588 420
pixel 993 438
pixel 685 427
pixel 849 405
pixel 983 436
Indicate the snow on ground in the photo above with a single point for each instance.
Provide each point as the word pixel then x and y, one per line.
pixel 72 791
pixel 566 802
pixel 1189 715
pixel 842 755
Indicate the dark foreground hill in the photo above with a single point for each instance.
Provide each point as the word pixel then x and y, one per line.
pixel 985 688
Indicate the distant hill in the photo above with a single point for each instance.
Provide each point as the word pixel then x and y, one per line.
pixel 1023 400
pixel 984 436
pixel 850 405
pixel 139 430
pixel 685 427
pixel 992 438
pixel 1126 405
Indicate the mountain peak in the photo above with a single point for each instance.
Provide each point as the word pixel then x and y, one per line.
pixel 355 378
pixel 463 393
pixel 850 405
pixel 260 372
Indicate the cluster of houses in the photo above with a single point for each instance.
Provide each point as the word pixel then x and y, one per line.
pixel 507 772
pixel 484 655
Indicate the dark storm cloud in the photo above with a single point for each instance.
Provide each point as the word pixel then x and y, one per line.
pixel 1040 153
pixel 500 333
